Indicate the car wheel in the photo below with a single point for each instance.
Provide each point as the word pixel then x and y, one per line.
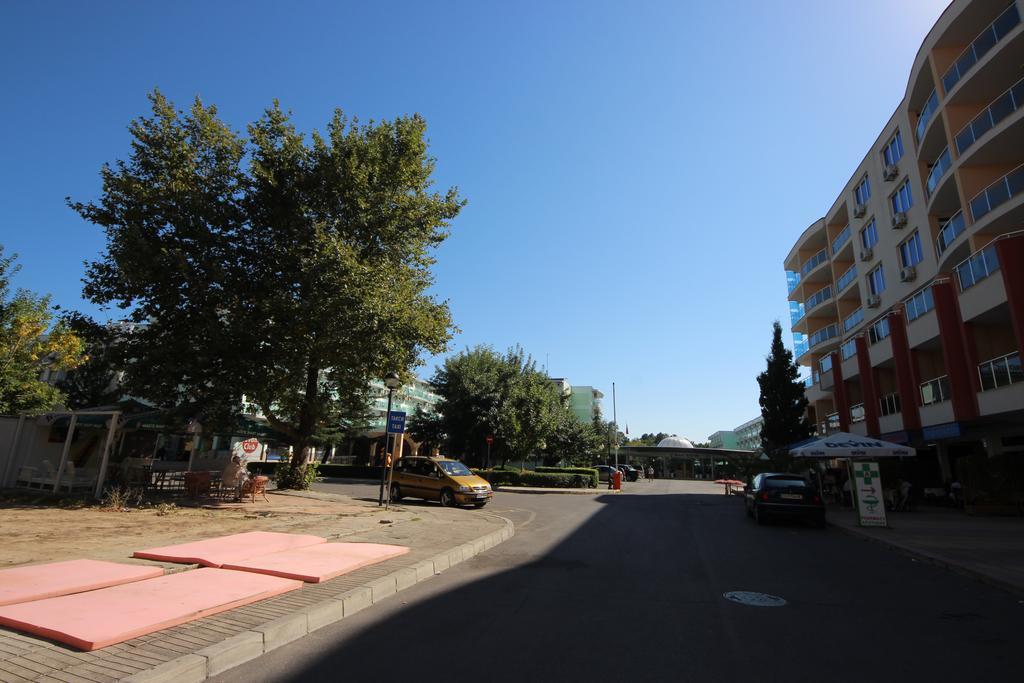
pixel 447 498
pixel 479 505
pixel 396 493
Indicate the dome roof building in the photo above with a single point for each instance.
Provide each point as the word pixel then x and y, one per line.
pixel 675 442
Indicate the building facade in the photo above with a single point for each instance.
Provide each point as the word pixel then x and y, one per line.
pixel 407 398
pixel 907 297
pixel 746 437
pixel 585 402
pixel 722 439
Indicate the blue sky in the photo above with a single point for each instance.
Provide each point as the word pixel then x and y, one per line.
pixel 636 171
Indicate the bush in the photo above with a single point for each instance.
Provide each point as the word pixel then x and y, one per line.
pixel 551 480
pixel 589 474
pixel 301 480
pixel 338 471
pixel 498 477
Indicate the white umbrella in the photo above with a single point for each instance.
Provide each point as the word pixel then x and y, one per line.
pixel 846 445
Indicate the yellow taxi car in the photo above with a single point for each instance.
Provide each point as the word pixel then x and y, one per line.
pixel 448 481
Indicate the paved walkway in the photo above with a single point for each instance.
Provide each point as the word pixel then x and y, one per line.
pixel 990 549
pixel 438 538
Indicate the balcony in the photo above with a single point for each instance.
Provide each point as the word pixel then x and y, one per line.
pixel 818 298
pixel 931 106
pixel 949 231
pixel 939 168
pixel 919 304
pixel 1004 105
pixel 847 278
pixel 995 195
pixel 977 267
pixel 935 390
pixel 889 404
pixel 811 270
pixel 823 335
pixel 853 320
pixel 841 239
pixel 1000 372
pixel 981 46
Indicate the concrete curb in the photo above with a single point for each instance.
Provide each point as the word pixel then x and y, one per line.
pixel 243 647
pixel 541 491
pixel 934 560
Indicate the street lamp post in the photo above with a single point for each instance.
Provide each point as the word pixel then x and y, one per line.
pixel 392 382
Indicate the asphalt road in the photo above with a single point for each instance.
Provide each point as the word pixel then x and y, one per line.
pixel 630 587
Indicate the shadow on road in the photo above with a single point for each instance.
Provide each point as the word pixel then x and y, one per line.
pixel 635 593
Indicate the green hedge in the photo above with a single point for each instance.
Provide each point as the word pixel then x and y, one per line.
pixel 550 480
pixel 337 471
pixel 588 472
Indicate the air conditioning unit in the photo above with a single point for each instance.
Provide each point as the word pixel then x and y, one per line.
pixel 899 220
pixel 874 301
pixel 908 274
pixel 859 211
pixel 891 171
pixel 867 254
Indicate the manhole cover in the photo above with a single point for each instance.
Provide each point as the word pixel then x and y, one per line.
pixel 754 599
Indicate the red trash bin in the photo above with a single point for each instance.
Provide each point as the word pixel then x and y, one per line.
pixel 617 480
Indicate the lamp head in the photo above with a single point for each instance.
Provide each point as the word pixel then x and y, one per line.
pixel 391 381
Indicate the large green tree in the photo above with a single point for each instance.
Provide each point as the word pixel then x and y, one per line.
pixel 95 381
pixel 579 443
pixel 285 268
pixel 486 393
pixel 30 344
pixel 783 404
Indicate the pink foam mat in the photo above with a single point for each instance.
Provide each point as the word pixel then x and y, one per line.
pixel 317 563
pixel 97 619
pixel 216 552
pixel 39 581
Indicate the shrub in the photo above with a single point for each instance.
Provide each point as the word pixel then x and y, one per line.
pixel 337 471
pixel 555 480
pixel 301 480
pixel 499 477
pixel 588 474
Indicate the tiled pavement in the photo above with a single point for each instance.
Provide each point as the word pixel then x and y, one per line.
pixel 206 647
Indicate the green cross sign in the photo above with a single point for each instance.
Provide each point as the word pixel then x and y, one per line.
pixel 864 472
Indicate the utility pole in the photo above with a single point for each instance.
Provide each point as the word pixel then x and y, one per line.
pixel 615 421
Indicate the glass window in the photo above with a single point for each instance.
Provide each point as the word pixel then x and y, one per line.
pixel 910 251
pixel 902 200
pixel 876 280
pixel 894 150
pixel 869 235
pixel 863 191
pixel 878 331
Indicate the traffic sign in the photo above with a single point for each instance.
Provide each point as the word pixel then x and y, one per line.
pixel 250 445
pixel 489 439
pixel 396 423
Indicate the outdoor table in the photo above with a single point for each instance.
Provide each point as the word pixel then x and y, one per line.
pixel 197 483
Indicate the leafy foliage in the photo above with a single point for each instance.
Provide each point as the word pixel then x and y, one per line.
pixel 783 404
pixel 287 270
pixel 28 344
pixel 94 382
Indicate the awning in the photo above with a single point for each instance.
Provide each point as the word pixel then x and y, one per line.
pixel 846 445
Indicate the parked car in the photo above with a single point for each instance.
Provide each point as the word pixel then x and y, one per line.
pixel 629 473
pixel 604 472
pixel 779 495
pixel 441 479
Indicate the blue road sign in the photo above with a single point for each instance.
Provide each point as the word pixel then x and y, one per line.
pixel 396 425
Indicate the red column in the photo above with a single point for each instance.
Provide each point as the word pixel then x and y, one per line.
pixel 1011 263
pixel 839 393
pixel 956 351
pixel 868 386
pixel 909 391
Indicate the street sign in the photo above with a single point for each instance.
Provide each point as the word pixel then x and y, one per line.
pixel 396 423
pixel 250 445
pixel 489 439
pixel 868 489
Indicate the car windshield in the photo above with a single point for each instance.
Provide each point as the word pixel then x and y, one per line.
pixel 454 468
pixel 784 483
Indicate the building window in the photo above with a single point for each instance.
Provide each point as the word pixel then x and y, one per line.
pixel 878 331
pixel 876 281
pixel 869 235
pixel 902 200
pixel 890 404
pixel 894 150
pixel 848 349
pixel 863 191
pixel 910 251
pixel 919 304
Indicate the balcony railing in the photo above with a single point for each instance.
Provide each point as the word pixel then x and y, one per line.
pixel 1000 372
pixel 878 331
pixel 857 412
pixel 985 41
pixel 854 319
pixel 849 349
pixel 842 238
pixel 999 192
pixel 919 304
pixel 813 262
pixel 931 105
pixel 977 267
pixel 949 231
pixel 935 390
pixel 832 422
pixel 1001 107
pixel 846 278
pixel 939 168
pixel 889 404
pixel 824 334
pixel 792 281
pixel 819 297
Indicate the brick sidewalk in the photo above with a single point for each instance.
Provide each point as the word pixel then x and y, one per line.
pixel 438 538
pixel 989 549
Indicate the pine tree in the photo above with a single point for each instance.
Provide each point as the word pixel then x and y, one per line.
pixel 783 404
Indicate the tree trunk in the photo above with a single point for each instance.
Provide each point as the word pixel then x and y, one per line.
pixel 307 423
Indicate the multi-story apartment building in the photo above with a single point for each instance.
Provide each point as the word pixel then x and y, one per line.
pixel 723 438
pixel 407 398
pixel 907 297
pixel 746 437
pixel 585 402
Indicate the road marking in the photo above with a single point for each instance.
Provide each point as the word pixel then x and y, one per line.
pixel 753 599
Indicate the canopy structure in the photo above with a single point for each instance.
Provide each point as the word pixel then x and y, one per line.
pixel 846 445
